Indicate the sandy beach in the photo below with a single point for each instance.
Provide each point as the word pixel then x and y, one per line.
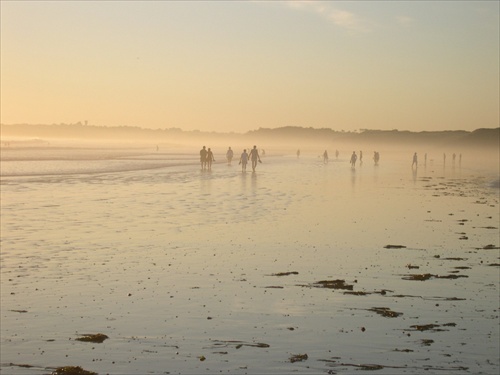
pixel 301 267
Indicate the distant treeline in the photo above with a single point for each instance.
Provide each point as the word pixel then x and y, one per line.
pixel 478 137
pixel 459 138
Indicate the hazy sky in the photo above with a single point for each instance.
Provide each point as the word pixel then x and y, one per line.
pixel 237 66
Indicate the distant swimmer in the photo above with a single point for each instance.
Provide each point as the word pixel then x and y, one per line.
pixel 203 157
pixel 354 157
pixel 325 157
pixel 210 159
pixel 415 160
pixel 254 157
pixel 244 160
pixel 229 156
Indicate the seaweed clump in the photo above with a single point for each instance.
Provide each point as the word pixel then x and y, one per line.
pixel 333 284
pixel 298 358
pixel 72 370
pixel 285 273
pixel 97 338
pixel 385 312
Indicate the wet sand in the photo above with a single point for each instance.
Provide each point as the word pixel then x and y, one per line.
pixel 300 267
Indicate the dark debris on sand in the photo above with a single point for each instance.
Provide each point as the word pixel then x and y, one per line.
pixel 332 284
pixel 298 358
pixel 285 273
pixel 431 327
pixel 427 276
pixel 72 370
pixel 97 338
pixel 385 312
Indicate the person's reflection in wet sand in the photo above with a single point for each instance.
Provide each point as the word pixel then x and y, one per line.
pixel 353 177
pixel 254 182
pixel 414 174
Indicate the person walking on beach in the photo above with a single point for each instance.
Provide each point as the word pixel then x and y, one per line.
pixel 254 156
pixel 415 160
pixel 298 154
pixel 244 160
pixel 425 159
pixel 360 157
pixel 203 157
pixel 325 157
pixel 210 159
pixel 336 154
pixel 354 157
pixel 229 156
pixel 376 157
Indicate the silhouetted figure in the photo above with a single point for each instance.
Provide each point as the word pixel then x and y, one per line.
pixel 454 156
pixel 460 160
pixel 415 160
pixel 298 154
pixel 354 157
pixel 425 159
pixel 360 157
pixel 376 157
pixel 325 157
pixel 336 154
pixel 244 160
pixel 254 157
pixel 229 156
pixel 157 148
pixel 210 159
pixel 444 159
pixel 203 157
pixel 263 152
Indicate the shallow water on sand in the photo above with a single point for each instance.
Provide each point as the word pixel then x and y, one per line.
pixel 181 267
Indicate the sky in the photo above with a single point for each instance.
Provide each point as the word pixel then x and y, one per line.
pixel 242 65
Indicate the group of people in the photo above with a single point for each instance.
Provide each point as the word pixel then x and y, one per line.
pixel 325 156
pixel 207 157
pixel 454 156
